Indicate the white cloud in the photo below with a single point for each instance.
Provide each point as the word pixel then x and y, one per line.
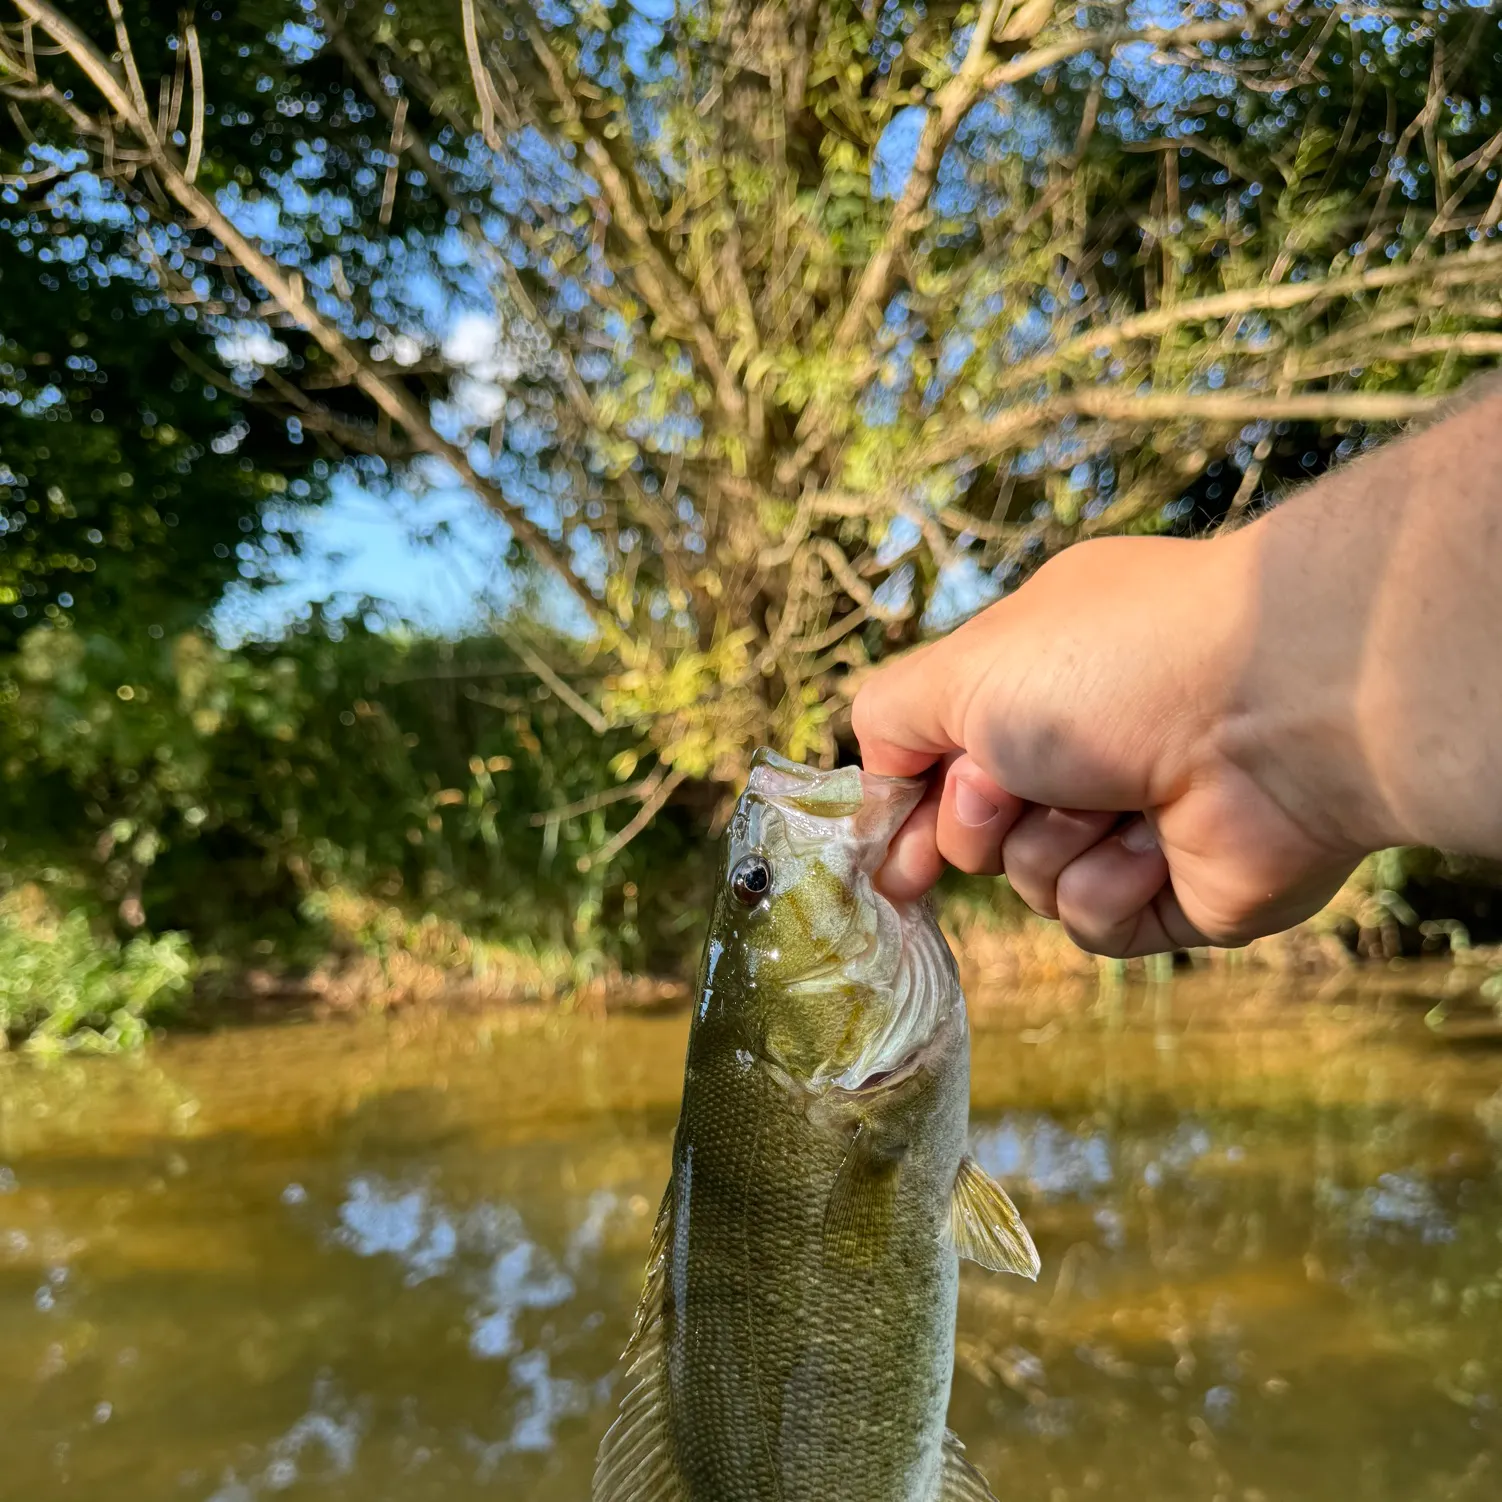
pixel 250 344
pixel 475 342
pixel 472 338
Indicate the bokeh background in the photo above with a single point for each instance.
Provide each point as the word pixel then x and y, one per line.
pixel 440 440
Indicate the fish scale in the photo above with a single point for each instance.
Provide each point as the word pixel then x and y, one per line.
pixel 795 1340
pixel 805 1388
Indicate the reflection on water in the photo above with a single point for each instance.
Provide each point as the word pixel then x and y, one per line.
pixel 398 1260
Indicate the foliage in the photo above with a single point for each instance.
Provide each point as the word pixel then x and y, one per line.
pixel 782 333
pixel 234 794
pixel 63 990
pixel 129 488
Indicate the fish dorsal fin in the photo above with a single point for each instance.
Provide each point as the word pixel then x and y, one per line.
pixel 985 1225
pixel 858 1217
pixel 650 1303
pixel 636 1461
pixel 959 1481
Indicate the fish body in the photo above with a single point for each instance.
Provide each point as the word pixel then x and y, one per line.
pixel 795 1340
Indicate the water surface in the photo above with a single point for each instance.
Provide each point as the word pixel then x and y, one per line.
pixel 394 1260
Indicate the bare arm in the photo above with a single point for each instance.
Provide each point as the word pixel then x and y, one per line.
pixel 1167 743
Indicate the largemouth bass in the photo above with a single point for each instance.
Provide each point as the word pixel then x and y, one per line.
pixel 795 1339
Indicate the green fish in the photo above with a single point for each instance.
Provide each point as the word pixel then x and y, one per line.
pixel 795 1339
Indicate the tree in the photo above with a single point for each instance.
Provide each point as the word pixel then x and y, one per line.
pixel 168 783
pixel 779 333
pixel 130 490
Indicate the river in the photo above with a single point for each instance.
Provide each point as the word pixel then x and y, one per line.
pixel 394 1259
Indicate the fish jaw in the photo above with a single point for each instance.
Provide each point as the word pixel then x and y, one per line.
pixel 839 983
pixel 870 809
pixel 921 994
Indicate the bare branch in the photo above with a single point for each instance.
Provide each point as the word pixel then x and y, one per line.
pixel 1432 103
pixel 809 645
pixel 580 706
pixel 662 287
pixel 650 511
pixel 393 167
pixel 1477 163
pixel 1475 345
pixel 485 93
pixel 613 847
pixel 830 554
pixel 1030 64
pixel 958 95
pixel 1473 265
pixel 1019 423
pixel 638 790
pixel 1246 491
pixel 170 111
pixel 951 103
pixel 29 86
pixel 359 438
pixel 1251 477
pixel 128 61
pixel 19 179
pixel 195 136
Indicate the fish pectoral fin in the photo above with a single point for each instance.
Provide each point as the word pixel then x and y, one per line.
pixel 985 1226
pixel 858 1217
pixel 959 1481
pixel 650 1303
pixel 636 1462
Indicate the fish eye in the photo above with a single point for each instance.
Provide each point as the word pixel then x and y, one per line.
pixel 751 880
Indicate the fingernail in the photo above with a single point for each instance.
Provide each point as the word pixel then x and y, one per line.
pixel 970 807
pixel 1139 838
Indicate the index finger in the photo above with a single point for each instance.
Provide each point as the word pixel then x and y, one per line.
pixel 903 717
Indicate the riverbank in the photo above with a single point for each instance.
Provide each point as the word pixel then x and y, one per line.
pixel 1003 952
pixel 67 986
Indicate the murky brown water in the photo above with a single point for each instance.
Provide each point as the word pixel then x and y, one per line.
pixel 394 1261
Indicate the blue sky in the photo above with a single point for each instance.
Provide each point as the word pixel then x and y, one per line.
pixel 431 561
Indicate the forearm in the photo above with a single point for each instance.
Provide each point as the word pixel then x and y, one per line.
pixel 1168 743
pixel 1370 698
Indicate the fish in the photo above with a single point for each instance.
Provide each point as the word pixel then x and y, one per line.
pixel 794 1340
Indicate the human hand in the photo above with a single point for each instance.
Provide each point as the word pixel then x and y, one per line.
pixel 1101 740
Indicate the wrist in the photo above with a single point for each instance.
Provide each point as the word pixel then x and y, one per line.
pixel 1290 717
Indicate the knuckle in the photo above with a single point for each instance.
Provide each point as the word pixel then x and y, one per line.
pixel 1227 920
pixel 1039 894
pixel 1033 876
pixel 969 856
pixel 1230 935
pixel 1026 850
pixel 1111 942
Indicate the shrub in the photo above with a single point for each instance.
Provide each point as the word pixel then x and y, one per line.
pixel 65 990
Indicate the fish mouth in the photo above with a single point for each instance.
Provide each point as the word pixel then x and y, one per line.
pixel 867 809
